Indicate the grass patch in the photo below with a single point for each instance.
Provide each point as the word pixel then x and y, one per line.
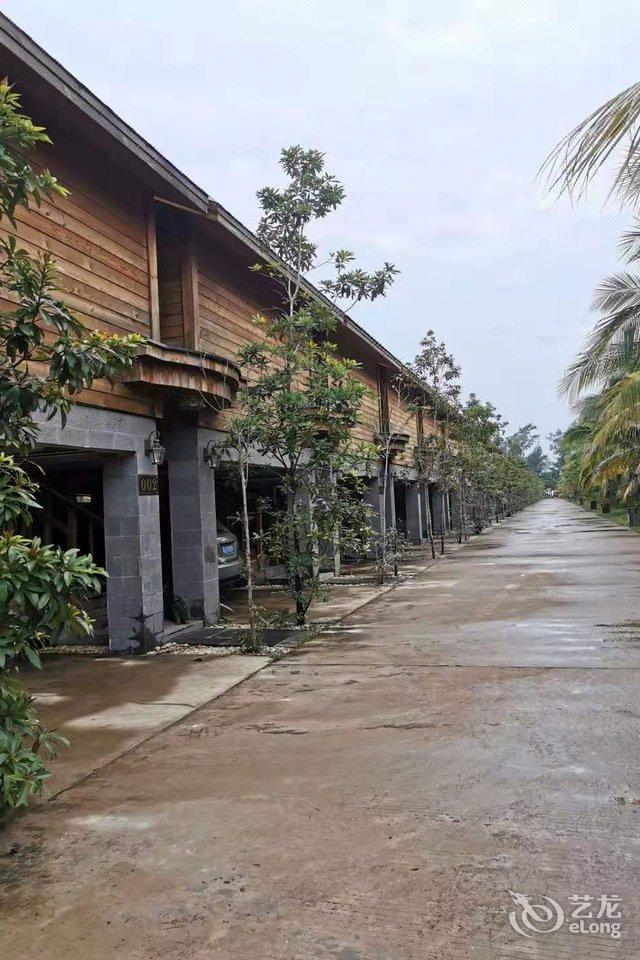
pixel 618 515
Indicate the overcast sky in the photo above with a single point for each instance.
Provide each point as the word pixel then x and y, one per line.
pixel 435 115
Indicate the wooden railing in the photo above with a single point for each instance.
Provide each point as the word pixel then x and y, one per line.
pixel 69 525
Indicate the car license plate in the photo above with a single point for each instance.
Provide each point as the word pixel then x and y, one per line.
pixel 228 549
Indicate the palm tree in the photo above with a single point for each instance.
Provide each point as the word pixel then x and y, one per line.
pixel 605 439
pixel 603 443
pixel 613 346
pixel 573 162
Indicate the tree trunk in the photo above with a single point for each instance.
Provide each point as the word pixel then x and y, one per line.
pixel 295 580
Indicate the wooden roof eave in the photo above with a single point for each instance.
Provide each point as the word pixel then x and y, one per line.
pixel 48 70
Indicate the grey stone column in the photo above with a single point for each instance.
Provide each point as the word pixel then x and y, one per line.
pixel 373 498
pixel 193 519
pixel 391 500
pixel 414 512
pixel 326 558
pixel 424 508
pixel 133 561
pixel 453 509
pixel 448 510
pixel 438 498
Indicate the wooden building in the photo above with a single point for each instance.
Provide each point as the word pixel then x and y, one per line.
pixel 140 248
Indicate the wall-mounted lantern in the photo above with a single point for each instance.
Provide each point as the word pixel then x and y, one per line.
pixel 213 454
pixel 154 449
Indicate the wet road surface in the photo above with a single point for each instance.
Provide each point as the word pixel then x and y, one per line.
pixel 377 795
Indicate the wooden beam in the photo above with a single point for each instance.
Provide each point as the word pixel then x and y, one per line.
pixel 190 296
pixel 383 398
pixel 152 255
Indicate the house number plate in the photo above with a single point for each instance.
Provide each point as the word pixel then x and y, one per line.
pixel 147 485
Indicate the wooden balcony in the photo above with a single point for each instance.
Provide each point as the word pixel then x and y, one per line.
pixel 394 442
pixel 193 380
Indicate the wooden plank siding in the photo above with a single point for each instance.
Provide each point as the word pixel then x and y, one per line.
pixel 127 267
pixel 369 418
pixel 152 257
pixel 229 302
pixel 98 238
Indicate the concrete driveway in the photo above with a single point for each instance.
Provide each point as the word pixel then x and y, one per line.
pixel 379 794
pixel 107 705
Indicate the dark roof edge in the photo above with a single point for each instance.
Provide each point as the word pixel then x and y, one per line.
pixel 53 73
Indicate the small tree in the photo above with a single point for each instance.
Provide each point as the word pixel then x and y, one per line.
pixel 389 544
pixel 303 400
pixel 46 357
pixel 436 457
pixel 478 432
pixel 240 437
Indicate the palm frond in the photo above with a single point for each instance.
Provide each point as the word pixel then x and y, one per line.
pixel 616 335
pixel 573 162
pixel 633 487
pixel 627 183
pixel 618 466
pixel 629 242
pixel 618 293
pixel 619 419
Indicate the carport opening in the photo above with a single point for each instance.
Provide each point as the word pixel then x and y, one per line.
pixel 264 495
pixel 400 498
pixel 70 494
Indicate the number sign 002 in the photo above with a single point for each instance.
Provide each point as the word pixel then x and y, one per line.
pixel 148 485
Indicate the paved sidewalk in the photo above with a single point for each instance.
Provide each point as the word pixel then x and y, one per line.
pixel 376 795
pixel 107 705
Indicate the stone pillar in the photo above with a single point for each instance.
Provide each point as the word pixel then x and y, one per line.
pixel 326 556
pixel 194 538
pixel 448 510
pixel 132 548
pixel 439 505
pixel 374 497
pixel 424 508
pixel 453 510
pixel 391 500
pixel 414 498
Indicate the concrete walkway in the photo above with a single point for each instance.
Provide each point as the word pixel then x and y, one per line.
pixel 106 706
pixel 377 795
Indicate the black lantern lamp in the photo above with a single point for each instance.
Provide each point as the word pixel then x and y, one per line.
pixel 213 454
pixel 154 449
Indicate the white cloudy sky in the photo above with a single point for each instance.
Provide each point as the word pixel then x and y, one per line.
pixel 434 113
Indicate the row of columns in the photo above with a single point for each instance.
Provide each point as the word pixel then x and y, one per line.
pixel 133 539
pixel 419 499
